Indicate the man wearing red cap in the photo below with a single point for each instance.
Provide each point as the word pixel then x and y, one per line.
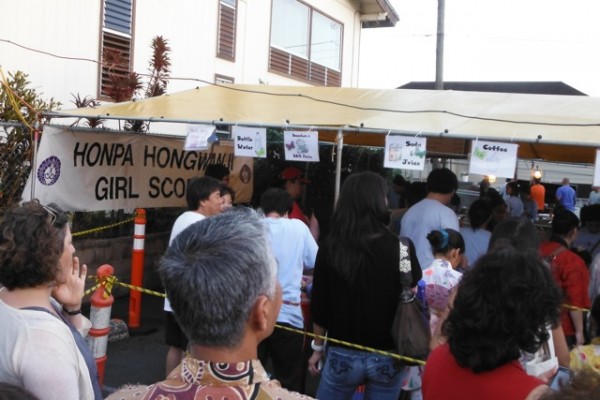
pixel 293 184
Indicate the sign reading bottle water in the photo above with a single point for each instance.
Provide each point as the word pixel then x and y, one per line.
pixel 249 142
pixel 493 158
pixel 404 152
pixel 301 145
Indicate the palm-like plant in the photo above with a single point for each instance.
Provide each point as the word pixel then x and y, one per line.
pixel 87 101
pixel 159 67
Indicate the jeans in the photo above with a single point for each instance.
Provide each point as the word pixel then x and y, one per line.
pixel 346 369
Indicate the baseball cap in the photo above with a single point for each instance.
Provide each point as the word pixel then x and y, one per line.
pixel 290 173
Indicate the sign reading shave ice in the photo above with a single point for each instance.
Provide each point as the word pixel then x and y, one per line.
pixel 89 171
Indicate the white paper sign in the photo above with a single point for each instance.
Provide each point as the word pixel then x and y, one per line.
pixel 249 142
pixel 597 169
pixel 301 145
pixel 404 152
pixel 493 158
pixel 197 137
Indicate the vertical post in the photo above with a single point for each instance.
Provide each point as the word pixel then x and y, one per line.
pixel 137 267
pixel 102 301
pixel 439 51
pixel 339 141
pixel 36 141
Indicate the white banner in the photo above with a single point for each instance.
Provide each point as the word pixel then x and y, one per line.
pixel 91 171
pixel 249 142
pixel 493 158
pixel 404 152
pixel 596 181
pixel 301 146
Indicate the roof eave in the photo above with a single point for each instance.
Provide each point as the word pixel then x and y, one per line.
pixel 377 14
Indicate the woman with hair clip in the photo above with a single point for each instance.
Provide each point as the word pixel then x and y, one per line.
pixel 441 279
pixel 41 343
pixel 356 288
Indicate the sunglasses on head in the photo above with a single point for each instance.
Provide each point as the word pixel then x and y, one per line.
pixel 52 213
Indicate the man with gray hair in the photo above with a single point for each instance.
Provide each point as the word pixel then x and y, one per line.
pixel 221 278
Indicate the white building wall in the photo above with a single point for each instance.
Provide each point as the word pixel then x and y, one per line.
pixel 67 28
pixel 191 29
pixel 72 28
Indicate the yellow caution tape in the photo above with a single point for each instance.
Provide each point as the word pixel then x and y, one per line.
pixel 90 290
pixel 87 232
pixel 570 307
pixel 113 280
pixel 355 346
pixel 331 340
pixel 139 289
pixel 13 102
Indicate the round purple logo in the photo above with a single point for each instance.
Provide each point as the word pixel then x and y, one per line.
pixel 49 171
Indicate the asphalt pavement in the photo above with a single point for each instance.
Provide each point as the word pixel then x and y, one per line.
pixel 139 358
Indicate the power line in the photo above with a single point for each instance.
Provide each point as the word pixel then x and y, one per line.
pixel 466 116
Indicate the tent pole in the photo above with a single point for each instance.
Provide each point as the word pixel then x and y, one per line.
pixel 36 139
pixel 339 140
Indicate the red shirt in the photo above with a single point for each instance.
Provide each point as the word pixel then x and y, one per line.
pixel 297 213
pixel 444 379
pixel 571 275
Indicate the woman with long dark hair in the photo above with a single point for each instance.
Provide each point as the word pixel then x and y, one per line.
pixel 355 292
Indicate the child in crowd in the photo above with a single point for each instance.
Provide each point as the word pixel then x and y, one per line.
pixel 441 280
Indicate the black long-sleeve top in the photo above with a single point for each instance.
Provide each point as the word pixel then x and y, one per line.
pixel 361 313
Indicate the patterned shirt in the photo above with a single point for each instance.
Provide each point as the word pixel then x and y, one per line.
pixel 203 380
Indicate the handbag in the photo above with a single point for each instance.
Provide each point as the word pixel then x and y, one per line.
pixel 410 329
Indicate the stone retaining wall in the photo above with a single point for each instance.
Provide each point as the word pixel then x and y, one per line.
pixel 117 252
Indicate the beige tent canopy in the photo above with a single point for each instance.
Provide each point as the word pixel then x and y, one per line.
pixel 547 127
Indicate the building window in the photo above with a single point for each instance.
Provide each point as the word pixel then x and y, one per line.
pixel 305 44
pixel 117 39
pixel 220 79
pixel 226 33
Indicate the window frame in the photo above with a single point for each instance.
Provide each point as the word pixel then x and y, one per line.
pixel 288 64
pixel 225 32
pixel 117 35
pixel 223 79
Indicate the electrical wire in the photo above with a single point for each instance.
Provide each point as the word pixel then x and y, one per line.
pixel 324 101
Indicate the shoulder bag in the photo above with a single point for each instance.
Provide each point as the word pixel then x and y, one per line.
pixel 410 328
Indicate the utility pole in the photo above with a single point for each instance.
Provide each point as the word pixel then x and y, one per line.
pixel 439 51
pixel 439 65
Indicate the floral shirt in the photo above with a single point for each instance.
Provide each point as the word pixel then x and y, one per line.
pixel 440 278
pixel 203 380
pixel 587 356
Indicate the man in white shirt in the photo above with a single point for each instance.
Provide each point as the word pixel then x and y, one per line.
pixel 295 250
pixel 203 197
pixel 431 213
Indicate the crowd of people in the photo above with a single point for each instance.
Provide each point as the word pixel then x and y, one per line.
pixel 497 292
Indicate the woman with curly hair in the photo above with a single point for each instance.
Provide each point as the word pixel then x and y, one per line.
pixel 522 234
pixel 41 346
pixel 502 308
pixel 356 287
